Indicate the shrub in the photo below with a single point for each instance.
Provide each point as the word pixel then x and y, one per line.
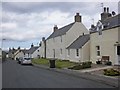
pixel 108 63
pixel 81 66
pixel 111 72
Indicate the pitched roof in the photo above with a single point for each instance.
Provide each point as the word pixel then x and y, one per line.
pixel 61 31
pixel 79 42
pixel 112 22
pixel 109 23
pixel 24 50
pixel 32 49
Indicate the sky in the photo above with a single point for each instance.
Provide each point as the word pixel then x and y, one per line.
pixel 24 23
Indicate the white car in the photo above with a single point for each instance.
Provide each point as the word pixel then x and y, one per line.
pixel 26 61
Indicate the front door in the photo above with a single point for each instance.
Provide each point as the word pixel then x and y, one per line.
pixel 118 55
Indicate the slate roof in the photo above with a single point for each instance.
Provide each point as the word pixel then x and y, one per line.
pixel 61 31
pixel 32 49
pixel 109 23
pixel 79 42
pixel 112 22
pixel 24 50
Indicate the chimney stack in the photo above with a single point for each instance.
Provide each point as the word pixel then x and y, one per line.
pixel 105 14
pixel 32 45
pixel 43 38
pixel 55 28
pixel 77 18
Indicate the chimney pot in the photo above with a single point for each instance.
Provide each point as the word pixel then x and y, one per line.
pixel 107 9
pixel 104 9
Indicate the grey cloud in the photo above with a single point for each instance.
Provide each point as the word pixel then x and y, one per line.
pixel 25 7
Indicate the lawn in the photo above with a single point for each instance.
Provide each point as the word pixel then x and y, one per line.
pixel 40 61
pixel 58 63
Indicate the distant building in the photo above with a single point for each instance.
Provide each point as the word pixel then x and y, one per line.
pixel 33 52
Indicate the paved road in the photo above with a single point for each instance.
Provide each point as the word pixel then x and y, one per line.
pixel 19 76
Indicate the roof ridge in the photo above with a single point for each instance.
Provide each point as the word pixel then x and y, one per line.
pixel 61 31
pixel 66 25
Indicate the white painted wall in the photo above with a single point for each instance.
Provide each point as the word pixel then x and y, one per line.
pixel 106 41
pixel 18 55
pixel 36 53
pixel 42 51
pixel 55 43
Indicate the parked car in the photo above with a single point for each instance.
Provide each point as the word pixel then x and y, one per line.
pixel 26 61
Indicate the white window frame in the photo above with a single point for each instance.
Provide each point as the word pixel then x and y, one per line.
pixel 98 50
pixel 68 52
pixel 77 52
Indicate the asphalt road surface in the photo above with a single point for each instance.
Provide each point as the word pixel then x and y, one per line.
pixel 22 76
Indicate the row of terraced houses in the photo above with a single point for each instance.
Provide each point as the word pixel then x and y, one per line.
pixel 75 43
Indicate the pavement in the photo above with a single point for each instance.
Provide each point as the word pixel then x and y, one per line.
pixel 87 74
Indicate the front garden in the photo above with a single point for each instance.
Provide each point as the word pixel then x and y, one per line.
pixel 63 64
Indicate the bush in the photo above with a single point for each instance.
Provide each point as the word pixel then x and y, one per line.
pixel 108 63
pixel 98 62
pixel 111 72
pixel 81 66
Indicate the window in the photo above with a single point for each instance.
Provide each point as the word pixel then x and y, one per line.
pixel 60 51
pixel 68 51
pixel 98 50
pixel 118 50
pixel 77 52
pixel 61 38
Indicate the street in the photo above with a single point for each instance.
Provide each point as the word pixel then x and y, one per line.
pixel 26 76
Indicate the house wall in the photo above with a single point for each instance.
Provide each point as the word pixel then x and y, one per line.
pixel 119 34
pixel 85 52
pixel 36 54
pixel 76 30
pixel 73 57
pixel 20 54
pixel 106 41
pixel 42 51
pixel 55 43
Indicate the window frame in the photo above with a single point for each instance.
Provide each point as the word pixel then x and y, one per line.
pixel 77 53
pixel 98 53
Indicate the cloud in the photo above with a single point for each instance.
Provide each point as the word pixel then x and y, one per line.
pixel 26 21
pixel 8 26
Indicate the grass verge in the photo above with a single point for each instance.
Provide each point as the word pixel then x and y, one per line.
pixel 58 63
